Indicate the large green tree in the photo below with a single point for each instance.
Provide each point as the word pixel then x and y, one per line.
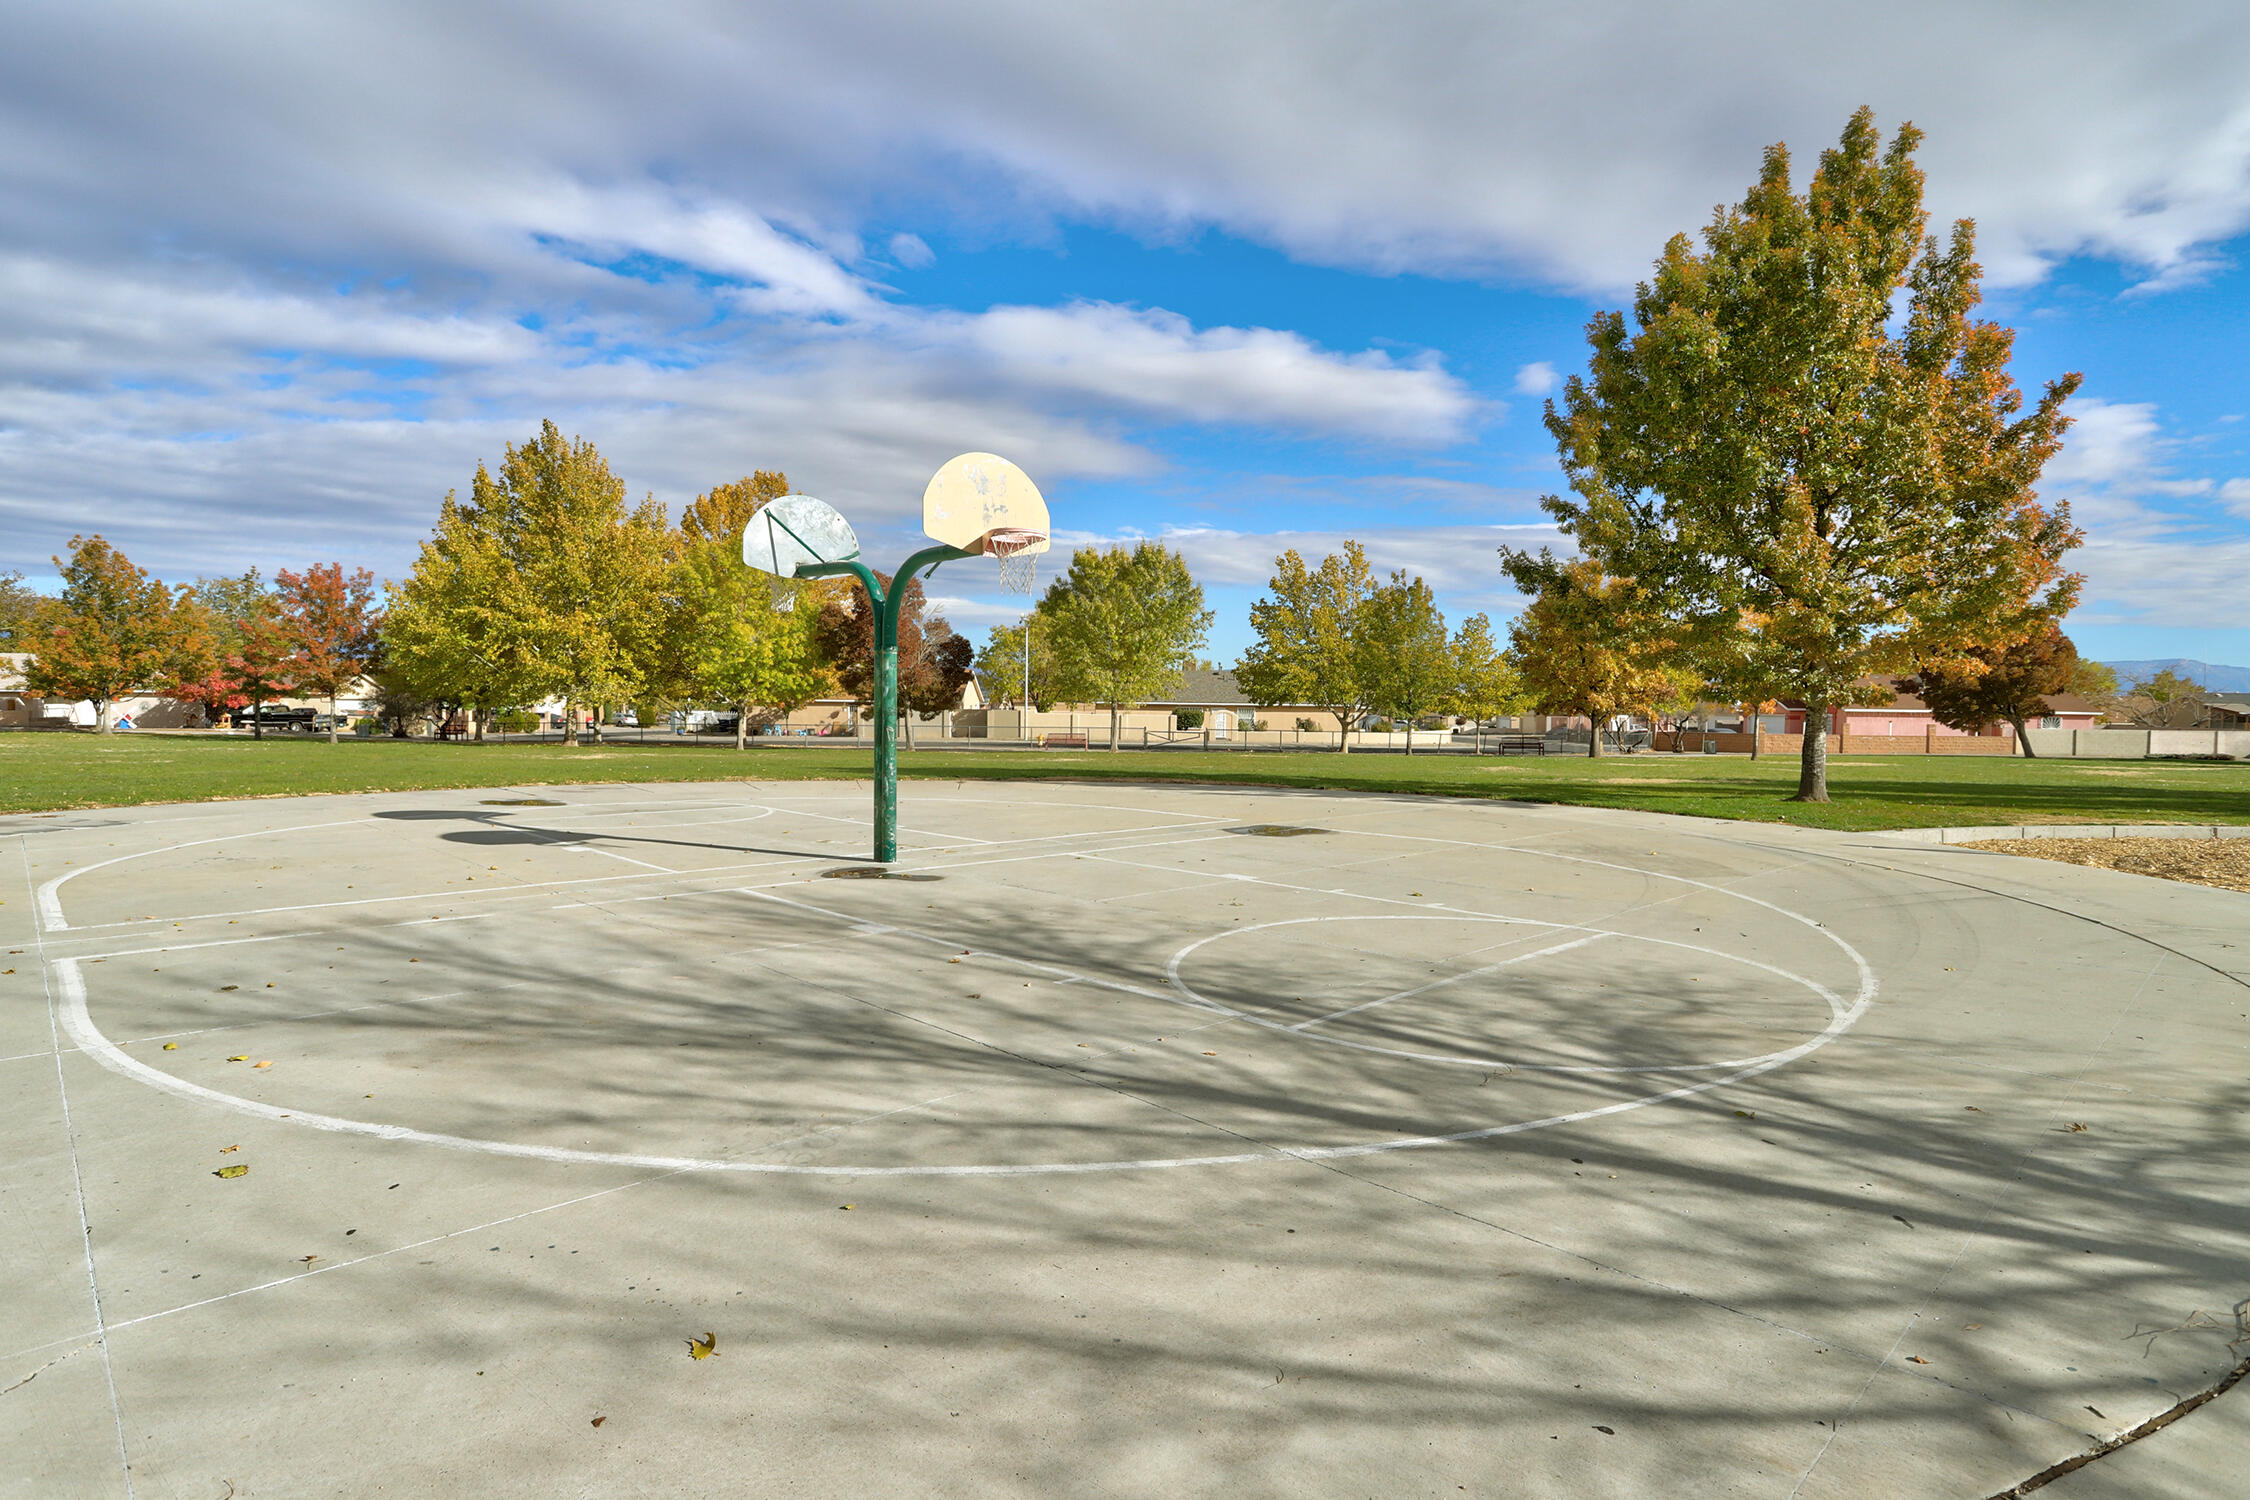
pixel 450 637
pixel 1804 440
pixel 1405 659
pixel 544 583
pixel 1123 625
pixel 720 513
pixel 2011 685
pixel 732 642
pixel 112 631
pixel 1307 628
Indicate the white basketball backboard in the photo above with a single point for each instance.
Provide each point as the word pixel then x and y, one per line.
pixel 797 531
pixel 980 493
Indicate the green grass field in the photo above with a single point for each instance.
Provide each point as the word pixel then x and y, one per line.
pixel 47 772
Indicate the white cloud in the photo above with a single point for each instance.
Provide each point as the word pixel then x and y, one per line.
pixel 911 251
pixel 2235 496
pixel 1159 363
pixel 1536 379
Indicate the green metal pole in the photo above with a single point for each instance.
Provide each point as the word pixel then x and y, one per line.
pixel 886 734
pixel 886 603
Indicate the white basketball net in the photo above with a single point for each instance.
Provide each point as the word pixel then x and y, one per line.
pixel 1019 564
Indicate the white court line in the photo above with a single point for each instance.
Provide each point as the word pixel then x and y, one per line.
pixel 78 1024
pixel 49 899
pixel 627 858
pixel 78 1195
pixel 1423 989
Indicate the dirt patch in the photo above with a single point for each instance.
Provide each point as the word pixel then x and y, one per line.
pixel 2224 863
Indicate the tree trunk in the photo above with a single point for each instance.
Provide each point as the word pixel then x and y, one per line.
pixel 1113 717
pixel 101 717
pixel 1593 736
pixel 331 718
pixel 257 719
pixel 570 722
pixel 1812 768
pixel 1410 723
pixel 742 726
pixel 2023 737
pixel 1343 732
pixel 906 718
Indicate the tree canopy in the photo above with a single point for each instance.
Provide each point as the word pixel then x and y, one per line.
pixel 1405 660
pixel 731 643
pixel 1804 442
pixel 1122 625
pixel 1307 632
pixel 112 631
pixel 332 626
pixel 2012 685
pixel 1591 644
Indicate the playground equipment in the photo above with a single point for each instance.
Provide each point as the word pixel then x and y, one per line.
pixel 977 505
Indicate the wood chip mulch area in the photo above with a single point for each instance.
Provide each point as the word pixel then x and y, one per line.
pixel 2221 862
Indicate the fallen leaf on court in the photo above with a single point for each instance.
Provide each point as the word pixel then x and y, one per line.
pixel 308 1259
pixel 225 987
pixel 1972 1109
pixel 704 1347
pixel 237 1146
pixel 1746 1114
pixel 239 1057
pixel 266 1064
pixel 976 996
pixel 1598 1427
pixel 1972 1327
pixel 953 960
pixel 269 984
pixel 1210 1054
pixel 171 1046
pixel 842 1206
pixel 1916 1359
pixel 599 1420
pixel 237 1170
pixel 2076 1126
pixel 1414 893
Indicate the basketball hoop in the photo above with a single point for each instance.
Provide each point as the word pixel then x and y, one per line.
pixel 1017 551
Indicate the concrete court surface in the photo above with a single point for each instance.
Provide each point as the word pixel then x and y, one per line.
pixel 1399 1147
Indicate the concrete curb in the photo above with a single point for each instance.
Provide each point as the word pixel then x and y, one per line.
pixel 2070 831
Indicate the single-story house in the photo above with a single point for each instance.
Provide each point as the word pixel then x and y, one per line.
pixel 2227 711
pixel 1907 715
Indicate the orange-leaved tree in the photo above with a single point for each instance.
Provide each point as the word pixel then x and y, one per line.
pixel 111 631
pixel 1590 644
pixel 333 628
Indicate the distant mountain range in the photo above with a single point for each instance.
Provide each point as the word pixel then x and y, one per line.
pixel 2213 675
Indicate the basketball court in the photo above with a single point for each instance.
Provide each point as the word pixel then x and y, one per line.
pixel 1115 1140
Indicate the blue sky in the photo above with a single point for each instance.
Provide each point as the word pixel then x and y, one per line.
pixel 1239 277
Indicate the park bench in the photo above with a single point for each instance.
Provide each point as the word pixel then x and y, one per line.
pixel 1074 740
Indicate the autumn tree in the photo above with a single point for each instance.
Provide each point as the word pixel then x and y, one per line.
pixel 263 664
pixel 333 626
pixel 111 631
pixel 449 637
pixel 1405 658
pixel 1122 625
pixel 1806 440
pixel 1307 637
pixel 720 513
pixel 2012 686
pixel 1592 644
pixel 543 583
pixel 732 642
pixel 843 637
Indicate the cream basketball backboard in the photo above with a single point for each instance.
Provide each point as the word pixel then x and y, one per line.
pixel 980 502
pixel 797 531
